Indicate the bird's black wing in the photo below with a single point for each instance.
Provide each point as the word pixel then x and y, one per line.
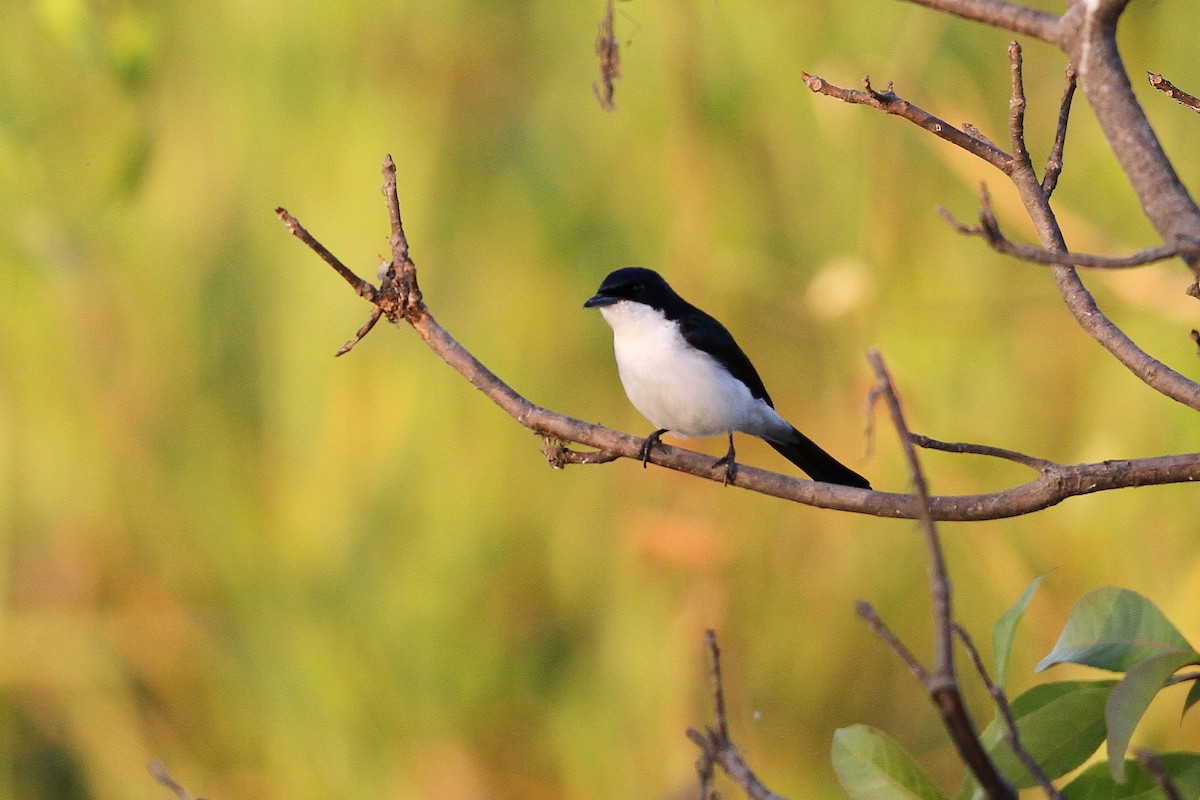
pixel 705 333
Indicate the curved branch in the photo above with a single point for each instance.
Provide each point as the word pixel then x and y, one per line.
pixel 1006 16
pixel 401 302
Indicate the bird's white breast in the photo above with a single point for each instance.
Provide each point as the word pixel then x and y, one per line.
pixel 676 386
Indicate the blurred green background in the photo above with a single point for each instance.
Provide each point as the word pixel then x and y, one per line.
pixel 296 577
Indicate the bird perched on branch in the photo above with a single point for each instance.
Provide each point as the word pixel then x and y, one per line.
pixel 684 372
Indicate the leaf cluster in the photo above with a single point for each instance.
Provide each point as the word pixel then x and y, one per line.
pixel 1060 724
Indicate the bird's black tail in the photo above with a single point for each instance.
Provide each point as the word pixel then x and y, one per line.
pixel 819 465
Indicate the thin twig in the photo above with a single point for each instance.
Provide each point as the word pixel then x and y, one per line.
pixel 361 287
pixel 888 101
pixel 1011 735
pixel 1033 462
pixel 376 313
pixel 941 683
pixel 718 689
pixel 1054 162
pixel 1173 92
pixel 715 744
pixel 939 583
pixel 705 767
pixel 988 229
pixel 1016 108
pixel 867 614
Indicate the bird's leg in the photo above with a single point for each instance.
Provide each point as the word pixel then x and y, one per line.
pixel 728 462
pixel 648 445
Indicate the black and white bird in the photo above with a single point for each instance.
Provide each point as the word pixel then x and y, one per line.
pixel 684 372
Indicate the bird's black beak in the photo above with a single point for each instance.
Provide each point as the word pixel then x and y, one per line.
pixel 597 300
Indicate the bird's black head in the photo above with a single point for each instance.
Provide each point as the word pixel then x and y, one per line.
pixel 637 284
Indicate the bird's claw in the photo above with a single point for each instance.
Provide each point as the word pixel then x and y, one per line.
pixel 730 468
pixel 648 445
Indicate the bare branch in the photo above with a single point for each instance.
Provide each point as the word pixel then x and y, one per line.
pixel 1087 313
pixel 867 614
pixel 1173 92
pixel 989 230
pixel 376 313
pixel 1055 483
pixel 1016 109
pixel 360 286
pixel 889 102
pixel 939 583
pixel 1079 300
pixel 1087 33
pixel 401 293
pixel 718 688
pixel 715 745
pixel 941 683
pixel 1090 39
pixel 998 14
pixel 1054 162
pixel 1011 735
pixel 982 450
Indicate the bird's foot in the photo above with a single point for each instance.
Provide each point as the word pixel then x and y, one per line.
pixel 648 445
pixel 730 467
pixel 728 461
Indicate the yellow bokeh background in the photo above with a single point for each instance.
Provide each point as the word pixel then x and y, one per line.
pixel 290 576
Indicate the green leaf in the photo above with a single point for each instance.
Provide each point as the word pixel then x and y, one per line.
pixel 1114 629
pixel 1130 699
pixel 871 766
pixel 1060 725
pixel 1005 629
pixel 1096 782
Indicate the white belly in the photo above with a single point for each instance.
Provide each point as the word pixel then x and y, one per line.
pixel 677 387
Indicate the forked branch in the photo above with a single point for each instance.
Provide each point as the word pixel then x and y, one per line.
pixel 1035 195
pixel 716 748
pixel 988 229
